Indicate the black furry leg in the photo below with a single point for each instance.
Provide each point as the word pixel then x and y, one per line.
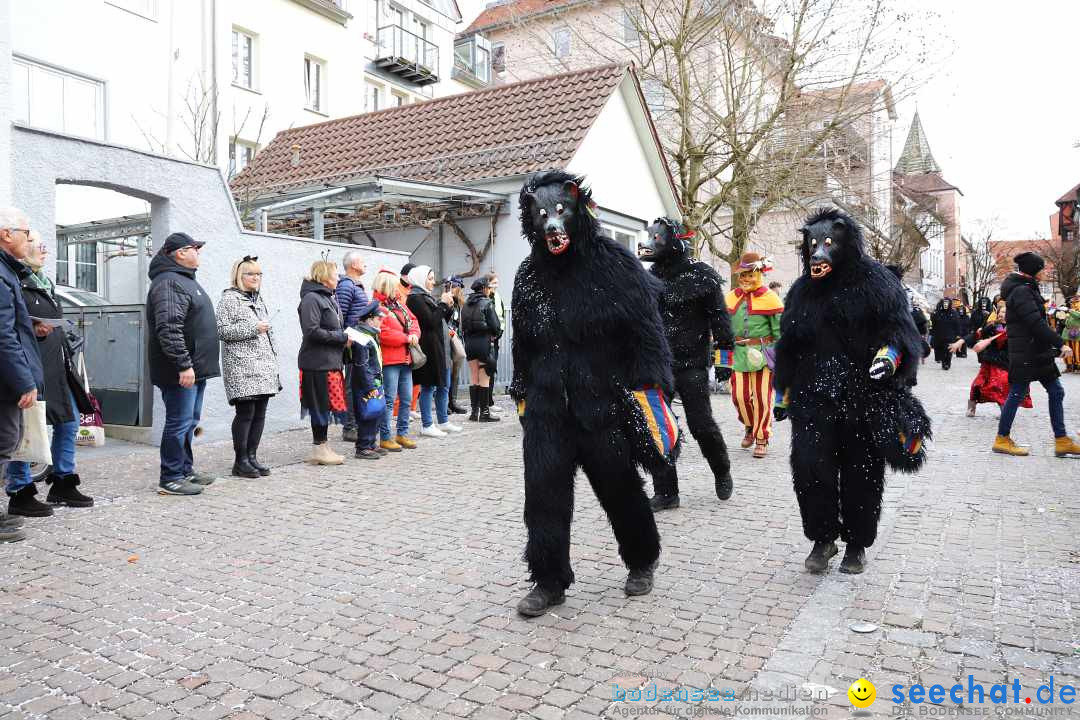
pixel 862 482
pixel 693 388
pixel 815 467
pixel 549 499
pixel 619 488
pixel 665 479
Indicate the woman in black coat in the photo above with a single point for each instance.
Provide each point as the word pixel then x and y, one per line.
pixel 433 376
pixel 1033 347
pixel 945 331
pixel 65 397
pixel 322 348
pixel 480 326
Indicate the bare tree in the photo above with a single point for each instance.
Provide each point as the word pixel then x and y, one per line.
pixel 982 264
pixel 915 223
pixel 1064 259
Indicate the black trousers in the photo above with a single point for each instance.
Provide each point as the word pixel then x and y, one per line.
pixel 554 447
pixel 692 385
pixel 839 478
pixel 247 425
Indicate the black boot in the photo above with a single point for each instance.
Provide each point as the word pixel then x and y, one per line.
pixel 474 402
pixel 23 503
pixel 242 467
pixel 485 410
pixel 254 437
pixel 724 486
pixel 263 470
pixel 818 559
pixel 538 601
pixel 854 561
pixel 640 582
pixel 664 502
pixel 62 491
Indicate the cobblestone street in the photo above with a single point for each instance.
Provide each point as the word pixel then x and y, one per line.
pixel 387 589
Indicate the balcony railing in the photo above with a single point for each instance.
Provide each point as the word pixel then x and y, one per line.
pixel 472 61
pixel 407 55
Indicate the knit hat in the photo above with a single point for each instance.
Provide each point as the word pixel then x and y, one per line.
pixel 1029 263
pixel 418 275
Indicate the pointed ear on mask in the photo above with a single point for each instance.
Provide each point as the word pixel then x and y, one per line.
pixel 571 189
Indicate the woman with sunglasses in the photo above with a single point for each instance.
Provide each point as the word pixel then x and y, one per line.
pixel 248 361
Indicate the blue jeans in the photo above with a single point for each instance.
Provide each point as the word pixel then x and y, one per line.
pixel 397 378
pixel 442 401
pixel 183 408
pixel 1018 391
pixel 63 454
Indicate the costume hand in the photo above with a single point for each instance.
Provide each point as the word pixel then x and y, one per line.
pixel 722 374
pixel 187 378
pixel 779 413
pixel 881 368
pixel 27 399
pixel 42 329
pixel 956 346
pixel 262 328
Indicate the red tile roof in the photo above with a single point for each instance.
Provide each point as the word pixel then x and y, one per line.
pixel 1069 196
pixel 499 132
pixel 516 10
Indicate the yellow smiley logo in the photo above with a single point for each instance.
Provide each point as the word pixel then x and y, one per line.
pixel 862 693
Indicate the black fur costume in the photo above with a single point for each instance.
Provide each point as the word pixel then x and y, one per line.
pixel 845 425
pixel 587 332
pixel 692 307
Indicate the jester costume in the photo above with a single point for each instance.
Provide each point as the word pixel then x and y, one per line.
pixel 755 319
pixel 1070 330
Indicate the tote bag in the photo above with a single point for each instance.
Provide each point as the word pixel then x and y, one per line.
pixel 91 431
pixel 34 447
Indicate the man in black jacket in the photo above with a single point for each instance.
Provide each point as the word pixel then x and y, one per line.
pixel 693 309
pixel 22 379
pixel 183 355
pixel 1033 346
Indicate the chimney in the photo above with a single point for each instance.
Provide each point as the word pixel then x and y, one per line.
pixel 295 162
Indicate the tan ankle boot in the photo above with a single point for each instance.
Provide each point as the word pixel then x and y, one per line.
pixel 322 455
pixel 1004 444
pixel 1066 447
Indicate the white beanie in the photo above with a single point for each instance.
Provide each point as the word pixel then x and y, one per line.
pixel 417 277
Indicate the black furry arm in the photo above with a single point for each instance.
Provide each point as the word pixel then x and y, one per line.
pixel 719 318
pixel 519 346
pixel 637 323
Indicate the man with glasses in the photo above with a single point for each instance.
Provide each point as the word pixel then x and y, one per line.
pixel 183 355
pixel 22 377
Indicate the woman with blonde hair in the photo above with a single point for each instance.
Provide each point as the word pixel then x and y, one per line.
pixel 399 331
pixel 249 362
pixel 322 383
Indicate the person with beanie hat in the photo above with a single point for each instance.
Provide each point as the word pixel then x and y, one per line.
pixel 1033 347
pixel 480 326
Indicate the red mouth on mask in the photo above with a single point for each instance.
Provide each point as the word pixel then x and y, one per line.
pixel 557 242
pixel 820 270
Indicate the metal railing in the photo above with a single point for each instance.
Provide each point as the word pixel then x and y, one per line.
pixel 397 43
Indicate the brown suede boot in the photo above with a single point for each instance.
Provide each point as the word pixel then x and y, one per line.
pixel 1004 444
pixel 1066 447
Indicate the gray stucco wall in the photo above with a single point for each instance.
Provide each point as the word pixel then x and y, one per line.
pixel 6 101
pixel 194 199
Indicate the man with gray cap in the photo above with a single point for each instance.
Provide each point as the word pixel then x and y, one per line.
pixel 183 355
pixel 23 378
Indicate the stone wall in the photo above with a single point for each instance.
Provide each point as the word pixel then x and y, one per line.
pixel 194 199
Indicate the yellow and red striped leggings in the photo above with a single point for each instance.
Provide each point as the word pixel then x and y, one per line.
pixel 752 393
pixel 1075 345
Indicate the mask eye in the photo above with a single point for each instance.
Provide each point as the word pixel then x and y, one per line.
pixel 813 243
pixel 543 213
pixel 559 208
pixel 828 241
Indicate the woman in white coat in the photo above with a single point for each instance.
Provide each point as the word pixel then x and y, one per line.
pixel 248 362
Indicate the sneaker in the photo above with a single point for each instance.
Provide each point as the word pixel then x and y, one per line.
pixel 11 534
pixel 367 454
pixel 179 487
pixel 449 427
pixel 203 479
pixel 381 450
pixel 414 415
pixel 495 410
pixel 10 522
pixel 432 431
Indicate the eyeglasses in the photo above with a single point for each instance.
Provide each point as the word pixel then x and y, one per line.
pixel 258 274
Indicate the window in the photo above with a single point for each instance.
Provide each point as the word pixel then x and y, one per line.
pixel 243 59
pixel 76 261
pixel 314 77
pixel 53 99
pixel 498 57
pixel 241 154
pixel 146 8
pixel 399 100
pixel 373 99
pixel 562 42
pixel 626 238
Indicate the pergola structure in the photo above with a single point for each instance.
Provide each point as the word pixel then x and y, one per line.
pixel 352 211
pixel 126 236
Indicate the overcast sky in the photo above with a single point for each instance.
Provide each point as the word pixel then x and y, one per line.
pixel 1002 112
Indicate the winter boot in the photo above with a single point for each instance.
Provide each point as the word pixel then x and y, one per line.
pixel 321 454
pixel 539 600
pixel 62 491
pixel 640 582
pixel 389 446
pixel 724 486
pixel 263 470
pixel 485 413
pixel 23 503
pixel 407 443
pixel 1004 444
pixel 664 502
pixel 818 559
pixel 1066 447
pixel 854 561
pixel 242 466
pixel 474 401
